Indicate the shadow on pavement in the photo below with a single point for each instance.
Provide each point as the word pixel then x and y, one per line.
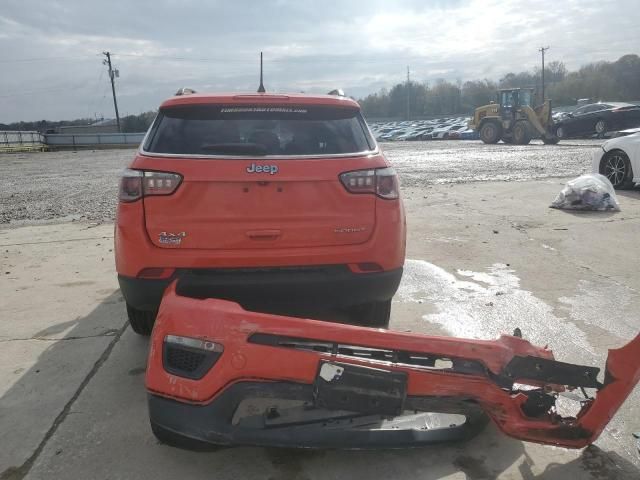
pixel 39 401
pixel 593 461
pixel 633 193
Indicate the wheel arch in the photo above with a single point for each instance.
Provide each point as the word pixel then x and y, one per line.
pixel 614 150
pixel 607 125
pixel 562 126
pixel 630 177
pixel 497 125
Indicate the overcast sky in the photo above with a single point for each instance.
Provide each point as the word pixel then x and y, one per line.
pixel 51 67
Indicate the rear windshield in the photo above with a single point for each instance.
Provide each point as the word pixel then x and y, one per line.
pixel 258 130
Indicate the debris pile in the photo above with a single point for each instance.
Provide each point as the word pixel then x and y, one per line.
pixel 588 192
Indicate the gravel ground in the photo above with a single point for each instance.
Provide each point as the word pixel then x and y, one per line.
pixel 83 185
pixel 420 163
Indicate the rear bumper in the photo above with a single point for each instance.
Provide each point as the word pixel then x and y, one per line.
pixel 329 286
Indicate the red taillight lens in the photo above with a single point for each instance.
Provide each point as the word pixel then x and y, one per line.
pixel 387 183
pixel 136 184
pixel 131 185
pixel 382 181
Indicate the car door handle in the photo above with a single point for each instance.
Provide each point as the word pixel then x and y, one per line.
pixel 263 234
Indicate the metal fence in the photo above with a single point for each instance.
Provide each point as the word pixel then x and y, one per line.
pixel 28 141
pixel 93 140
pixel 14 141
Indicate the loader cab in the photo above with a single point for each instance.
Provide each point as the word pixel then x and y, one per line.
pixel 515 97
pixel 511 101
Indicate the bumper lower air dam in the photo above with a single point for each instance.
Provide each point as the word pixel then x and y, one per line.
pixel 284 382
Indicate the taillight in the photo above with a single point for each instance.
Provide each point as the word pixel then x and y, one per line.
pixel 359 181
pixel 382 182
pixel 387 183
pixel 136 184
pixel 131 185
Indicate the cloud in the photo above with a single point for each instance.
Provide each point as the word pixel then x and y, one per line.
pixel 51 63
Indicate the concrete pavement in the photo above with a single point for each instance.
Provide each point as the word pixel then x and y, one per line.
pixel 484 257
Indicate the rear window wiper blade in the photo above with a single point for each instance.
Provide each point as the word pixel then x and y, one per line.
pixel 235 148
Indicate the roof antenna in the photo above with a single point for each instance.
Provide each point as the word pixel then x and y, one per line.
pixel 261 87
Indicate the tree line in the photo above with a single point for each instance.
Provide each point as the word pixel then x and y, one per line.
pixel 606 81
pixel 128 124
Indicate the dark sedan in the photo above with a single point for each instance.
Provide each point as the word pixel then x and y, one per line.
pixel 598 118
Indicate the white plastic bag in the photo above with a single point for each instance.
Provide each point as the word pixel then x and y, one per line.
pixel 588 192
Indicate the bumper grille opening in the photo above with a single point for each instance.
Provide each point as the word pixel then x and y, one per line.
pixel 185 360
pixel 188 362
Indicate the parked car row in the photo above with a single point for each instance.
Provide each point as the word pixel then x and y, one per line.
pixel 410 130
pixel 596 119
pixel 593 119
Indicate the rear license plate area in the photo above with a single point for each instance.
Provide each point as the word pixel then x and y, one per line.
pixel 343 386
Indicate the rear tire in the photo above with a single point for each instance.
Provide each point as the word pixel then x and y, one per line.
pixel 373 314
pixel 521 133
pixel 601 128
pixel 551 140
pixel 560 133
pixel 490 132
pixel 615 165
pixel 141 321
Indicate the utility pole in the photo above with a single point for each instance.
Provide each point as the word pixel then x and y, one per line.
pixel 542 50
pixel 112 74
pixel 408 93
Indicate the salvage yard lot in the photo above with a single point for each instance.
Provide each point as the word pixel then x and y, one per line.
pixel 484 256
pixel 83 185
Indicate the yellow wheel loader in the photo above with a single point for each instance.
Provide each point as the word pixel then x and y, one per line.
pixel 513 119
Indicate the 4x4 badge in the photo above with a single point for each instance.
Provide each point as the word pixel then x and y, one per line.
pixel 168 238
pixel 270 169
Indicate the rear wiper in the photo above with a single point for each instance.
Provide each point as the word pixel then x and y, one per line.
pixel 235 149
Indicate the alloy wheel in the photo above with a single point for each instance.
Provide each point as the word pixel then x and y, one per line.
pixel 615 169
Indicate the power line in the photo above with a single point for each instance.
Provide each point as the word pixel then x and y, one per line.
pixel 301 60
pixel 31 92
pixel 43 59
pixel 96 90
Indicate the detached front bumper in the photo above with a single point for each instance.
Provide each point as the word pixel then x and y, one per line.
pixel 280 381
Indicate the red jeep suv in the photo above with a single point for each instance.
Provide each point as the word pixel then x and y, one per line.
pixel 264 199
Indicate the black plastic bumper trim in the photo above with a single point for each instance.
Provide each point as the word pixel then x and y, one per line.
pixel 143 293
pixel 212 424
